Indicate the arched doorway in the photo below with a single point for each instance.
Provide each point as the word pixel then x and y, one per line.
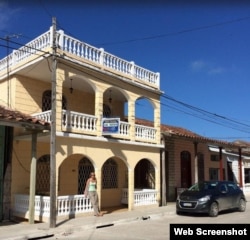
pixel 185 169
pixel 144 175
pixel 85 167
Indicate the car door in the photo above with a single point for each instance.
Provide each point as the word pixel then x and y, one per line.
pixel 224 199
pixel 234 194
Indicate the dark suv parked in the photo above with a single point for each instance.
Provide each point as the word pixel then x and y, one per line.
pixel 211 197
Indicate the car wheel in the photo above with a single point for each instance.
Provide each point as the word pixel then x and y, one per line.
pixel 214 210
pixel 178 212
pixel 242 205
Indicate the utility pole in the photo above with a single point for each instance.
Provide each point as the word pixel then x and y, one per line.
pixel 53 194
pixel 8 37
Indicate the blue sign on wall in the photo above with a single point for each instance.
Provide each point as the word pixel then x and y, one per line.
pixel 110 126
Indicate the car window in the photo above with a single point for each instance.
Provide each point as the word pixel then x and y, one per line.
pixel 211 186
pixel 223 188
pixel 203 186
pixel 232 187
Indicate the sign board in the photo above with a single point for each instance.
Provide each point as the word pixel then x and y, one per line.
pixel 110 126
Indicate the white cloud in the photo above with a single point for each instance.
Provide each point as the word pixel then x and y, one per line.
pixel 206 67
pixel 198 65
pixel 6 13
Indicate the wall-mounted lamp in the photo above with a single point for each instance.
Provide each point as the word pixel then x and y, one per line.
pixel 71 88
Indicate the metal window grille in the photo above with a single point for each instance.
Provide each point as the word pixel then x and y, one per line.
pixel 43 175
pixel 110 174
pixel 46 101
pixel 151 175
pixel 85 167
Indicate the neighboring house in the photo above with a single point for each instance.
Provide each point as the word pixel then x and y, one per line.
pixel 10 119
pixel 190 157
pixel 89 97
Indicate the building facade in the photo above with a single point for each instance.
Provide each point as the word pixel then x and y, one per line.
pixel 89 97
pixel 190 157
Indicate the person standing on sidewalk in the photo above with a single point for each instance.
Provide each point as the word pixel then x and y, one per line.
pixel 90 191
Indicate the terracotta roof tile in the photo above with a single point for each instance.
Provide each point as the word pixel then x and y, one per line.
pixel 182 132
pixel 13 116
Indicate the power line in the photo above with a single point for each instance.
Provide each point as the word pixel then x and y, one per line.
pixel 207 116
pixel 22 45
pixel 178 32
pixel 204 111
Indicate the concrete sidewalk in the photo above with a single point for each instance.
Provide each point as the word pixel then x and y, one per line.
pixel 24 230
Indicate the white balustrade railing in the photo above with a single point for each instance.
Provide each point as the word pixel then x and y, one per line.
pixel 124 128
pixel 82 50
pixel 141 196
pixel 66 205
pixel 45 116
pixel 145 133
pixel 84 122
pixel 73 204
pixel 31 48
pixel 78 121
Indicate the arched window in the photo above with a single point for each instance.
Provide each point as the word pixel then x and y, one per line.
pixel 85 167
pixel 46 101
pixel 110 174
pixel 43 175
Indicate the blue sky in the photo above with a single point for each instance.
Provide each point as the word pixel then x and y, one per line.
pixel 201 50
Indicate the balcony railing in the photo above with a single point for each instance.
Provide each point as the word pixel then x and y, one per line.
pixel 97 56
pixel 66 206
pixel 87 124
pixel 141 196
pixel 72 205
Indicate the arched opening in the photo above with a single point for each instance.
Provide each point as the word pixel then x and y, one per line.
pixel 185 169
pixel 43 175
pixel 85 167
pixel 144 175
pixel 142 106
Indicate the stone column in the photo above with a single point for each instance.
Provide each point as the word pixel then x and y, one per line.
pixel 131 118
pixel 157 122
pixel 99 111
pixel 130 189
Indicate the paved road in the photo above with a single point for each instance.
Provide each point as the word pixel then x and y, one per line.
pixel 153 229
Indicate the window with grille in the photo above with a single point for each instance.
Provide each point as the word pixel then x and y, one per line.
pixel 85 167
pixel 110 174
pixel 43 175
pixel 46 101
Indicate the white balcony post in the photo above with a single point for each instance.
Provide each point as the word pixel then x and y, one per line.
pixel 101 59
pixel 132 69
pixel 61 39
pixel 157 82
